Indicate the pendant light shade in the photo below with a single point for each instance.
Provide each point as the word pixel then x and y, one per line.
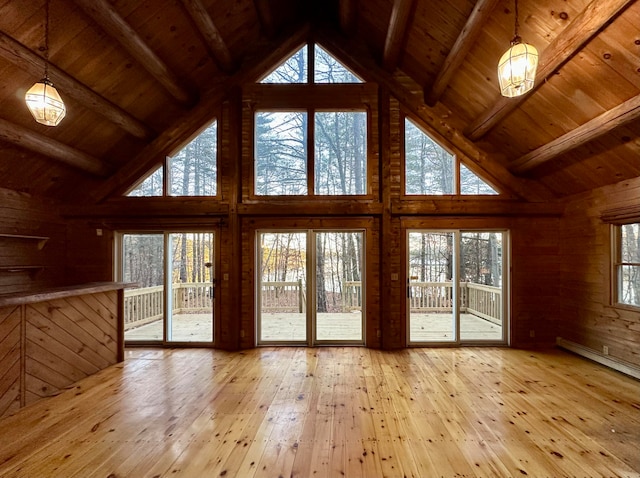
pixel 517 67
pixel 42 99
pixel 45 103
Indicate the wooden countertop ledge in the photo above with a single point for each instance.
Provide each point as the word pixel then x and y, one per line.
pixel 59 292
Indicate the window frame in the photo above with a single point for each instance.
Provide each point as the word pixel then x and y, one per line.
pixel 165 166
pixel 617 264
pixel 449 148
pixel 311 77
pixel 311 153
pixel 311 98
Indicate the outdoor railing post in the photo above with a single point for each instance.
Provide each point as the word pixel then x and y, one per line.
pixel 300 296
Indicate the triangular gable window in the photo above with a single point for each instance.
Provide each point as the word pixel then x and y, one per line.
pixel 193 170
pixel 151 186
pixel 295 69
pixel 292 70
pixel 470 183
pixel 429 168
pixel 432 170
pixel 329 70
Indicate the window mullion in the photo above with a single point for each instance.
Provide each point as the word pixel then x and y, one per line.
pixel 311 167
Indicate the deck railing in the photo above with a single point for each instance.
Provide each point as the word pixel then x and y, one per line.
pixel 146 305
pixel 484 301
pixel 477 299
pixel 278 296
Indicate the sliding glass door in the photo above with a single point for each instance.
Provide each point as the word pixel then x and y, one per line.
pixel 282 288
pixel 143 261
pixel 456 287
pixel 175 294
pixel 482 287
pixel 310 287
pixel 431 296
pixel 338 277
pixel 191 291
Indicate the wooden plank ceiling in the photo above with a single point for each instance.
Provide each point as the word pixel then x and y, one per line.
pixel 138 77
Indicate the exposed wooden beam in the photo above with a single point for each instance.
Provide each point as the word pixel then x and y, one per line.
pixel 479 16
pixel 265 14
pixel 476 206
pixel 255 63
pixel 347 16
pixel 355 55
pixel 148 207
pixel 107 18
pixel 396 33
pixel 50 148
pixel 313 208
pixel 18 54
pixel 618 116
pixel 213 39
pixel 564 46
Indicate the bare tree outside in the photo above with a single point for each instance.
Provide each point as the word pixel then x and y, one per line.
pixel 429 168
pixel 193 170
pixel 281 153
pixel 152 186
pixel 472 184
pixel 340 153
pixel 629 266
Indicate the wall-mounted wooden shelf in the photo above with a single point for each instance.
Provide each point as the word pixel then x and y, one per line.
pixel 40 240
pixel 31 270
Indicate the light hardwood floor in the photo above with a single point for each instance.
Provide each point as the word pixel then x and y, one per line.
pixel 333 412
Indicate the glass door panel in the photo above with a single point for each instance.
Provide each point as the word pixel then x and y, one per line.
pixel 339 287
pixel 430 293
pixel 191 291
pixel 481 286
pixel 282 287
pixel 143 264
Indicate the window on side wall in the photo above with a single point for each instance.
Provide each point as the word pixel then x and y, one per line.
pixel 627 264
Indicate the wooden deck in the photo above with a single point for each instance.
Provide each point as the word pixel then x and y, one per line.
pixel 336 326
pixel 333 412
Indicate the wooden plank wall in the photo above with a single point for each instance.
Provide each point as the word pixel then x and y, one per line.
pixel 46 346
pixel 23 215
pixel 588 318
pixel 535 280
pixel 89 255
pixel 535 254
pixel 10 365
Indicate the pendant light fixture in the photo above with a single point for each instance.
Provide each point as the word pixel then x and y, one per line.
pixel 43 99
pixel 517 67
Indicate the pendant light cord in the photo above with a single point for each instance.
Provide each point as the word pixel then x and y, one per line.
pixel 46 40
pixel 516 37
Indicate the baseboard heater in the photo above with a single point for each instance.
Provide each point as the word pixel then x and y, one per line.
pixel 607 360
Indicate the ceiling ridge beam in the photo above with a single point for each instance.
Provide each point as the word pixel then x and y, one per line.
pixel 347 16
pixel 467 38
pixel 265 16
pixel 213 39
pixel 356 56
pixel 254 64
pixel 602 124
pixel 396 33
pixel 51 148
pixel 562 48
pixel 110 21
pixel 18 54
